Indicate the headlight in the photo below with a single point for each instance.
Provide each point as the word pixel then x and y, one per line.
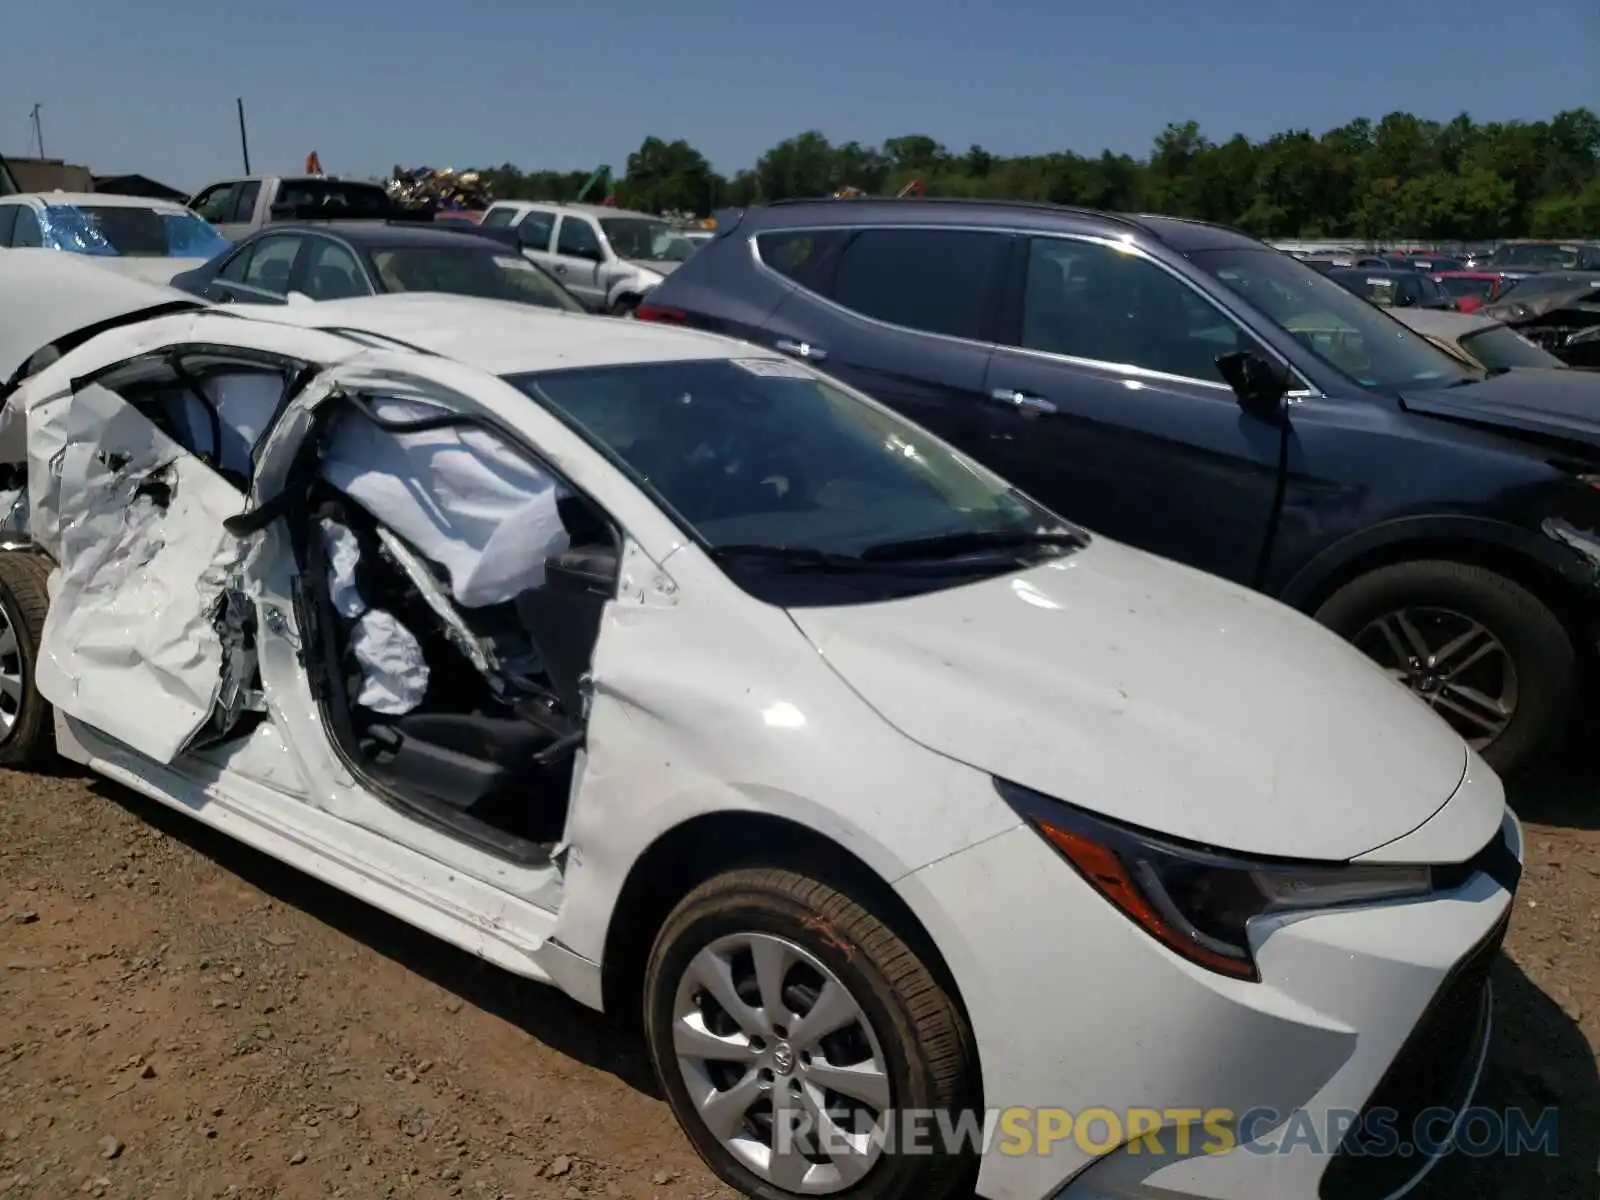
pixel 1195 901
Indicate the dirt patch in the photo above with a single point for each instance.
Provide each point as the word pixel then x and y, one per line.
pixel 180 1017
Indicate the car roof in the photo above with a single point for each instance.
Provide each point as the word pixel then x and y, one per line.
pixel 383 233
pixel 1181 233
pixel 46 295
pixel 590 210
pixel 503 337
pixel 99 200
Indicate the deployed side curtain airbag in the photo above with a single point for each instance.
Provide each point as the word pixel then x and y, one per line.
pixel 460 495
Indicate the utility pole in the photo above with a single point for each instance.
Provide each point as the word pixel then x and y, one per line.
pixel 244 141
pixel 38 129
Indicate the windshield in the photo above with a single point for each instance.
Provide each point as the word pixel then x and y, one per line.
pixel 1464 287
pixel 1539 254
pixel 469 271
pixel 1501 348
pixel 125 230
pixel 761 453
pixel 1339 327
pixel 1547 285
pixel 646 239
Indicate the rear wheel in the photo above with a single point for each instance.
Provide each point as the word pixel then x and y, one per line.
pixel 27 724
pixel 1479 649
pixel 786 1020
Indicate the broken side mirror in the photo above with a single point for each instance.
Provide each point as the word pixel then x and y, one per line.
pixel 1259 385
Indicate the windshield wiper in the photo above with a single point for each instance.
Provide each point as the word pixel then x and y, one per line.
pixel 947 545
pixel 804 557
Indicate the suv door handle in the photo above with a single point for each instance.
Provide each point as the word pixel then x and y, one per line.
pixel 803 350
pixel 1027 405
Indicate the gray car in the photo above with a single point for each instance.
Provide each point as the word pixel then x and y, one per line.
pixel 609 258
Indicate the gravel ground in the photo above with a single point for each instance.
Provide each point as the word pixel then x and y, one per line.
pixel 180 1017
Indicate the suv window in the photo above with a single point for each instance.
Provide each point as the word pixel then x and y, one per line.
pixel 498 218
pixel 215 204
pixel 935 280
pixel 273 263
pixel 1086 300
pixel 27 232
pixel 806 256
pixel 244 206
pixel 534 230
pixel 8 218
pixel 577 239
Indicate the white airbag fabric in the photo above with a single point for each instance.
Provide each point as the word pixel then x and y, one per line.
pixel 394 675
pixel 460 495
pixel 245 403
pixel 128 645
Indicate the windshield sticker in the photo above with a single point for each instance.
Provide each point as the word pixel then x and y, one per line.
pixel 511 263
pixel 773 368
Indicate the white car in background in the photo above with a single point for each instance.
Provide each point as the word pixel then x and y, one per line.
pixel 663 669
pixel 131 235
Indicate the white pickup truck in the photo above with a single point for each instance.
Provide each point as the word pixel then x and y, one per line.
pixel 238 207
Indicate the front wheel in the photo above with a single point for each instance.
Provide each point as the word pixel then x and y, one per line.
pixel 787 1022
pixel 27 723
pixel 624 307
pixel 1479 649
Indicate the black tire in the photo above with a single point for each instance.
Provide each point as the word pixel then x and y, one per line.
pixel 1536 642
pixel 624 306
pixel 25 599
pixel 926 1049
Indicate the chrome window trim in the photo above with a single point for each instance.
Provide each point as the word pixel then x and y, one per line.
pixel 1126 370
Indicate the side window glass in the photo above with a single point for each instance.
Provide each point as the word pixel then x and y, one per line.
pixel 936 280
pixel 27 232
pixel 534 230
pixel 215 204
pixel 578 239
pixel 1090 301
pixel 806 256
pixel 498 218
pixel 272 264
pixel 332 272
pixel 244 207
pixel 233 270
pixel 8 220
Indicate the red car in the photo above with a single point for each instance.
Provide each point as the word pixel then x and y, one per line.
pixel 1471 289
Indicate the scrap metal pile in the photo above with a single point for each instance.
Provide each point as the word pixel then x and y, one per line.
pixel 441 189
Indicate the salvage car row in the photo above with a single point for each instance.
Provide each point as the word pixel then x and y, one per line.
pixel 801 666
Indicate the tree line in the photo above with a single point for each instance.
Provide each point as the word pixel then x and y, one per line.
pixel 1400 176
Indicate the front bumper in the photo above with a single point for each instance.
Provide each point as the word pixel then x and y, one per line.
pixel 1253 1085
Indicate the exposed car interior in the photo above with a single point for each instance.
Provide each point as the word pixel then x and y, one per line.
pixel 455 688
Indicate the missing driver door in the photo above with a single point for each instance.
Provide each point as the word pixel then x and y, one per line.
pixel 131 645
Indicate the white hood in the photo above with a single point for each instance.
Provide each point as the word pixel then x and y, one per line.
pixel 1156 695
pixel 151 270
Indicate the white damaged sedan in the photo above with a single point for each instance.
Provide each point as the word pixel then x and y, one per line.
pixel 935 843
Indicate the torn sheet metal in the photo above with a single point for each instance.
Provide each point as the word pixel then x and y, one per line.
pixel 130 645
pixel 460 495
pixel 394 675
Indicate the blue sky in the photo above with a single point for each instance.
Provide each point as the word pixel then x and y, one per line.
pixel 149 85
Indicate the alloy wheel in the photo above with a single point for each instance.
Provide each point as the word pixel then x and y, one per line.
pixel 11 684
pixel 781 1063
pixel 1452 663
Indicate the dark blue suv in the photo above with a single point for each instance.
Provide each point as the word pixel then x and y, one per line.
pixel 1184 388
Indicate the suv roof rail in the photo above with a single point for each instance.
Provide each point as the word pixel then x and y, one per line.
pixel 972 201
